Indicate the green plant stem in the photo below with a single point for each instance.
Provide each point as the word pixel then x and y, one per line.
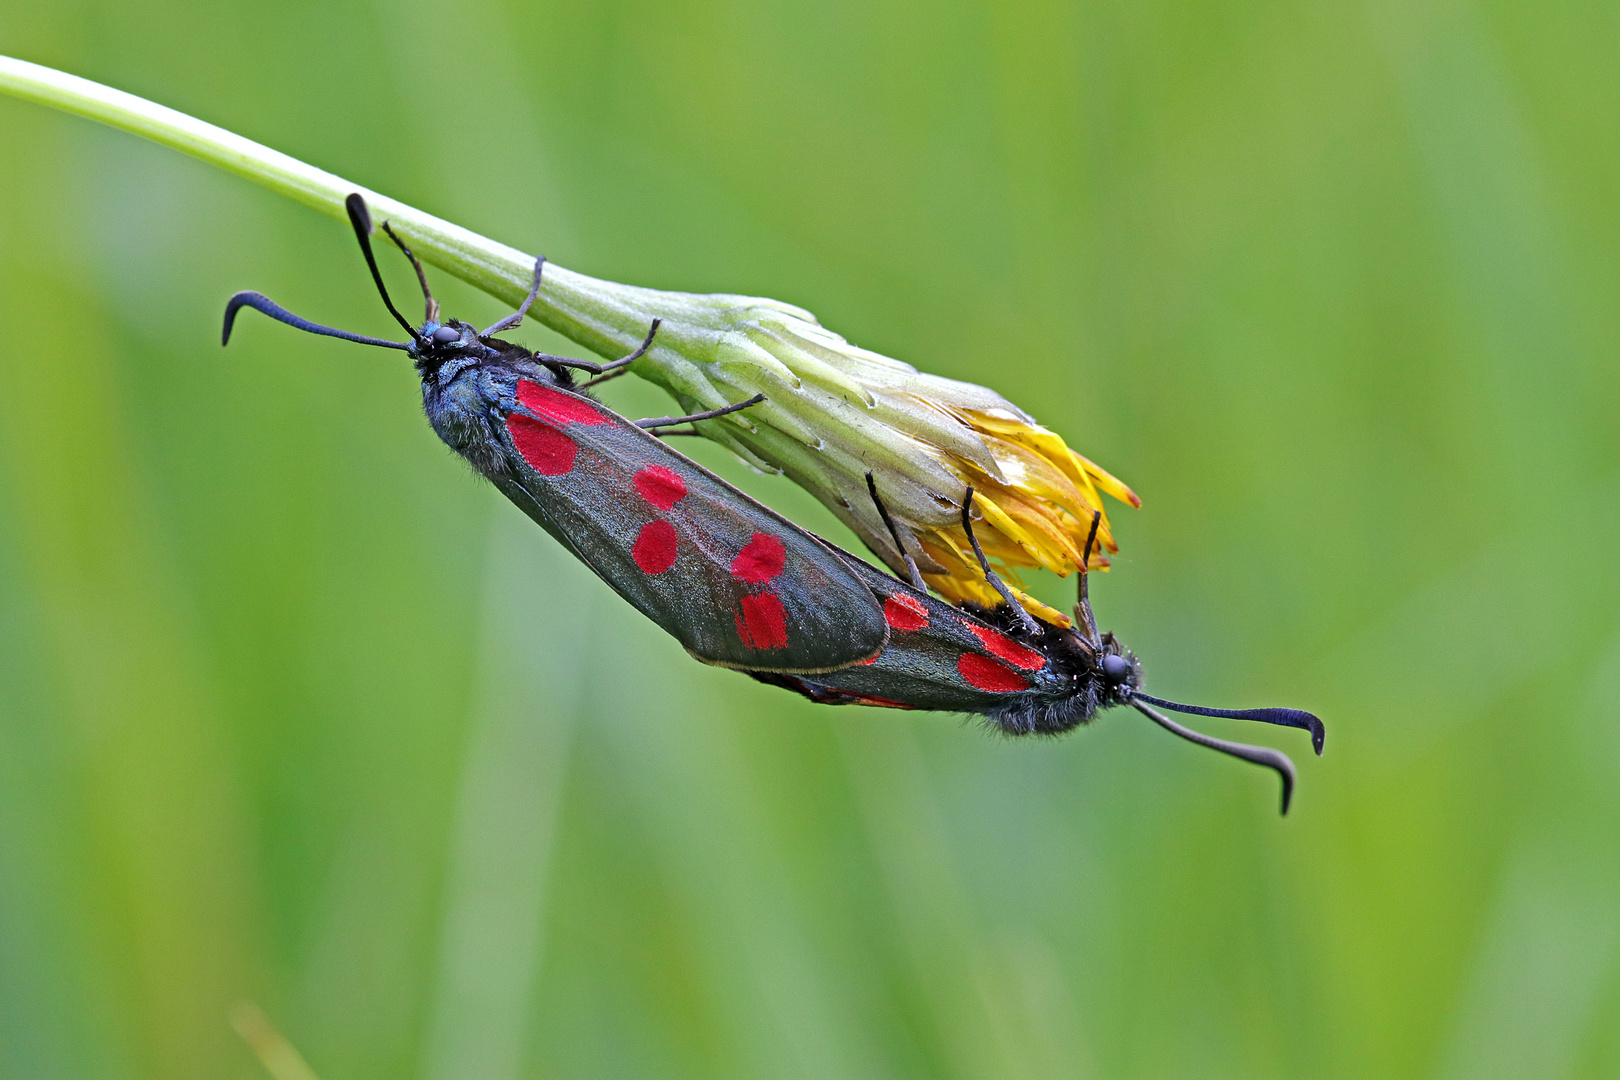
pixel 603 316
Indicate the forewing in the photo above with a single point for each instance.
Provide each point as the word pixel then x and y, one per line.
pixel 734 582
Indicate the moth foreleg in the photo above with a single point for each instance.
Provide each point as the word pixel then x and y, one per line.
pixel 672 421
pixel 894 534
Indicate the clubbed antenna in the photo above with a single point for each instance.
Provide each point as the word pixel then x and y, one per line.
pixel 1296 718
pixel 1254 755
pixel 260 302
pixel 360 218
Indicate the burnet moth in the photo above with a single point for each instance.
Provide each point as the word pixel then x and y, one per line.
pixel 737 584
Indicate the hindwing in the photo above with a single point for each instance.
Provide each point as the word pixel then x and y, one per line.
pixel 938 657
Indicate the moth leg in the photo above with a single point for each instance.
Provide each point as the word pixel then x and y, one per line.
pixel 894 534
pixel 1082 606
pixel 604 378
pixel 671 421
pixel 555 362
pixel 421 275
pixel 603 372
pixel 523 309
pixel 990 575
pixel 625 361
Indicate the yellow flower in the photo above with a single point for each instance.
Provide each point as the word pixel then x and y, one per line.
pixel 1036 513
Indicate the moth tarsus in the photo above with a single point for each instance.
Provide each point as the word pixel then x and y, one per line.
pixel 712 414
pixel 1028 620
pixel 913 575
pixel 523 309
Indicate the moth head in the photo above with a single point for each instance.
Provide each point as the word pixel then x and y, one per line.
pixel 1118 671
pixel 439 344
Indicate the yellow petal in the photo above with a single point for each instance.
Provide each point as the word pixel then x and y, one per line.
pixel 1009 528
pixel 965 581
pixel 1106 481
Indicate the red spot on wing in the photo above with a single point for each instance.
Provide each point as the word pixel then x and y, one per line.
pixel 660 486
pixel 654 549
pixel 989 675
pixel 761 622
pixel 904 612
pixel 868 662
pixel 1007 649
pixel 555 405
pixel 761 559
pixel 548 451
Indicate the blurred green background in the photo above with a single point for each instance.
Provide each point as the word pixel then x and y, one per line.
pixel 293 710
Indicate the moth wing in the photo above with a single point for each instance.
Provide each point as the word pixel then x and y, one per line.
pixel 736 583
pixel 938 657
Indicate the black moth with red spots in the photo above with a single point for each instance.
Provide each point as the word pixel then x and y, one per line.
pixel 734 582
pixel 955 660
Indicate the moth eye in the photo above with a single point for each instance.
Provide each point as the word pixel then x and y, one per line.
pixel 1116 669
pixel 444 335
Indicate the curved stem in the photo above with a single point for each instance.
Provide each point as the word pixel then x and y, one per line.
pixel 604 316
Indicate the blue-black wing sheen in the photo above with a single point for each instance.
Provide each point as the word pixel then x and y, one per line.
pixel 737 584
pixel 941 658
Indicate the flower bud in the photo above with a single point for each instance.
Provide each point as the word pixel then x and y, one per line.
pixel 832 412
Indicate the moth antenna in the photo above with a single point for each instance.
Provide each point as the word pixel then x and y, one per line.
pixel 990 575
pixel 1295 718
pixel 1254 755
pixel 523 308
pixel 260 302
pixel 432 314
pixel 360 218
pixel 894 534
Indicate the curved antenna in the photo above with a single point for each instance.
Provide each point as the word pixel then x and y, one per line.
pixel 1298 718
pixel 432 313
pixel 360 218
pixel 260 302
pixel 1254 755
